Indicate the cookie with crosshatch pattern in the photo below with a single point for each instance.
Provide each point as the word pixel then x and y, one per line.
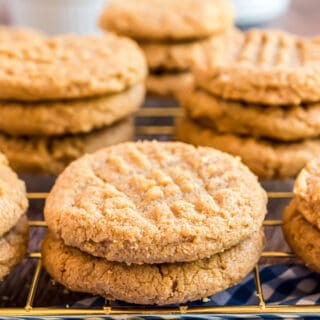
pixel 155 202
pixel 262 66
pixel 69 67
pixel 151 284
pixel 13 198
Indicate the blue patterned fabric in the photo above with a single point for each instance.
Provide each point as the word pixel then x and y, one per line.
pixel 282 284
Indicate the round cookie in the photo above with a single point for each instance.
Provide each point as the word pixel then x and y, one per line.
pixel 266 158
pixel 306 189
pixel 50 155
pixel 302 237
pixel 169 84
pixel 282 123
pixel 262 66
pixel 151 284
pixel 13 198
pixel 74 116
pixel 167 19
pixel 155 202
pixel 173 56
pixel 69 66
pixel 13 246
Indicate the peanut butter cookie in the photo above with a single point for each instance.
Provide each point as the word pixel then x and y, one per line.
pixel 303 237
pixel 13 246
pixel 173 56
pixel 306 189
pixel 70 116
pixel 282 123
pixel 262 66
pixel 155 202
pixel 13 198
pixel 50 155
pixel 266 158
pixel 151 284
pixel 167 19
pixel 69 66
pixel 169 83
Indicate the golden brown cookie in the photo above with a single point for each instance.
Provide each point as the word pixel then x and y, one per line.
pixel 150 284
pixel 69 66
pixel 307 192
pixel 262 66
pixel 281 123
pixel 303 238
pixel 13 198
pixel 169 84
pixel 173 55
pixel 71 116
pixel 13 246
pixel 155 202
pixel 50 155
pixel 266 158
pixel 167 19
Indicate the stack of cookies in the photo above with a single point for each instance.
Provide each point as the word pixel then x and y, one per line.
pixel 13 222
pixel 302 217
pixel 171 33
pixel 257 96
pixel 65 96
pixel 154 223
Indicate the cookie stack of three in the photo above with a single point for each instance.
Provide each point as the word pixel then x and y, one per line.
pixel 171 33
pixel 13 222
pixel 64 96
pixel 154 223
pixel 257 96
pixel 301 223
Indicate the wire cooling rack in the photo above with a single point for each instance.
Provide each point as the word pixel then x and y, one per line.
pixel 146 129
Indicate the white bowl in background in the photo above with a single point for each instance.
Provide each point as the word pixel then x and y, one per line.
pixel 252 12
pixel 56 16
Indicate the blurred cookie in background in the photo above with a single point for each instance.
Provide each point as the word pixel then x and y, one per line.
pixel 171 33
pixel 50 155
pixel 256 96
pixel 64 96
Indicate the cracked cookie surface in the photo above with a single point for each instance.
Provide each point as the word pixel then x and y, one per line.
pixel 151 284
pixel 13 246
pixel 155 202
pixel 13 197
pixel 68 67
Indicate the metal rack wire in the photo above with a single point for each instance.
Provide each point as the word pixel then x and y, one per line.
pixel 260 309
